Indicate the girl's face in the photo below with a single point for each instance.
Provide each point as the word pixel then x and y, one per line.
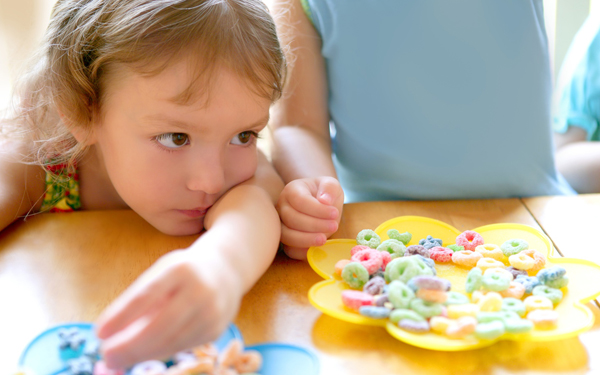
pixel 171 162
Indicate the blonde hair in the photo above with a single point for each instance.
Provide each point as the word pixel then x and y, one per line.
pixel 86 38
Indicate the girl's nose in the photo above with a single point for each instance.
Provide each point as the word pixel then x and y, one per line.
pixel 206 174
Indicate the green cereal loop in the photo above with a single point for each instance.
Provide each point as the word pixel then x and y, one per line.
pixel 473 282
pixel 489 331
pixel 514 305
pixel 518 325
pixel 456 298
pixel 368 237
pixel 394 247
pixel 355 275
pixel 455 247
pixel 405 268
pixel 558 283
pixel 495 282
pixel 490 316
pixel 553 294
pixel 400 295
pixel 426 309
pixel 514 246
pixel 394 234
pixel 398 314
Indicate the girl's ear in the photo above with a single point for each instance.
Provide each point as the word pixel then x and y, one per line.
pixel 83 135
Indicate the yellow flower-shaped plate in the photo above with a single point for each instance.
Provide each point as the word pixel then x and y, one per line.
pixel 574 316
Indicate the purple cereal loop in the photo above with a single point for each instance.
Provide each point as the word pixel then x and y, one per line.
pixel 380 300
pixel 374 286
pixel 417 250
pixel 430 282
pixel 414 326
pixel 516 272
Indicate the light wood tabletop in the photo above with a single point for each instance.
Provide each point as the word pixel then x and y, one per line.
pixel 57 268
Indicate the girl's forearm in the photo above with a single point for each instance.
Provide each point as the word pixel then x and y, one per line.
pixel 243 232
pixel 579 162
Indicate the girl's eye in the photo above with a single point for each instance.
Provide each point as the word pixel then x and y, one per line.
pixel 173 140
pixel 243 138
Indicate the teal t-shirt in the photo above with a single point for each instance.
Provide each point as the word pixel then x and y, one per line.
pixel 438 99
pixel 577 100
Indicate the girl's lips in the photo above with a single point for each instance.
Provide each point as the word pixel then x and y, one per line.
pixel 195 212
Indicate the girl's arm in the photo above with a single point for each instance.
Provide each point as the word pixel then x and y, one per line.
pixel 189 296
pixel 578 160
pixel 311 204
pixel 22 186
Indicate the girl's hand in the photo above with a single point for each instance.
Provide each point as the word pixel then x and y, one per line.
pixel 310 210
pixel 180 302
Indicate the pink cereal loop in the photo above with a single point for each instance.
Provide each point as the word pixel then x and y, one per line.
pixel 354 299
pixel 466 258
pixel 539 261
pixel 515 290
pixel 490 250
pixel 385 259
pixel 469 239
pixel 358 248
pixel 370 259
pixel 441 254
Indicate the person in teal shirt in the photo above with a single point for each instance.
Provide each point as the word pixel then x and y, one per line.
pixel 398 100
pixel 576 113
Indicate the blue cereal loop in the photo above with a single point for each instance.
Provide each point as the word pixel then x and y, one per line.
pixel 558 283
pixel 81 366
pixel 514 246
pixel 551 274
pixel 529 282
pixel 430 242
pixel 375 312
pixel 368 237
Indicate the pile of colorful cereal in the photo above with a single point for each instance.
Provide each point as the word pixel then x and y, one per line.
pixel 509 290
pixel 204 359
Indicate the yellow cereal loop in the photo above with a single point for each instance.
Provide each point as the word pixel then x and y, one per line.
pixel 539 261
pixel 543 319
pixel 487 263
pixel 489 250
pixel 439 324
pixel 458 311
pixel 491 301
pixel 521 261
pixel 537 303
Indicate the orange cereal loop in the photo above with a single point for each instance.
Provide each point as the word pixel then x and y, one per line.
pixel 206 350
pixel 230 354
pixel 490 250
pixel 431 295
pixel 487 263
pixel 249 361
pixel 539 261
pixel 537 303
pixel 466 258
pixel 339 266
pixel 515 290
pixel 543 319
pixel 521 261
pixel 462 327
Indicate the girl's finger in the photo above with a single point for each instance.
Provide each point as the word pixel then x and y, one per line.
pixel 302 200
pixel 296 238
pixel 329 191
pixel 304 223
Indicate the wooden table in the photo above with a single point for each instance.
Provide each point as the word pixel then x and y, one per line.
pixel 57 268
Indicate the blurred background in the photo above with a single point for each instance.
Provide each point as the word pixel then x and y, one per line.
pixel 22 24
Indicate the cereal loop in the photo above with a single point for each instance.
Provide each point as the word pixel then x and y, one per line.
pixel 462 327
pixel 554 295
pixel 355 275
pixel 400 295
pixel 469 239
pixel 514 246
pixel 370 259
pixel 490 251
pixel 358 248
pixel 432 295
pixel 515 272
pixel 402 237
pixel 515 290
pixel 339 266
pixel 514 305
pixel 467 309
pixel 248 362
pixel 429 282
pixel 466 258
pixel 539 261
pixel 521 261
pixel 529 282
pixel 398 314
pixel 426 309
pixel 455 298
pixel 374 312
pixel 487 263
pixel 414 326
pixel 148 368
pixel 490 302
pixel 495 282
pixel 392 247
pixel 441 254
pixel 417 250
pixel 499 271
pixel 537 303
pixel 374 286
pixel 354 299
pixel 489 331
pixel 473 282
pixel 368 237
pixel 439 324
pixel 543 319
pixel 405 268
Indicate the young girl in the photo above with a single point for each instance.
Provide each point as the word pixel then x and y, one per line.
pixel 429 100
pixel 156 106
